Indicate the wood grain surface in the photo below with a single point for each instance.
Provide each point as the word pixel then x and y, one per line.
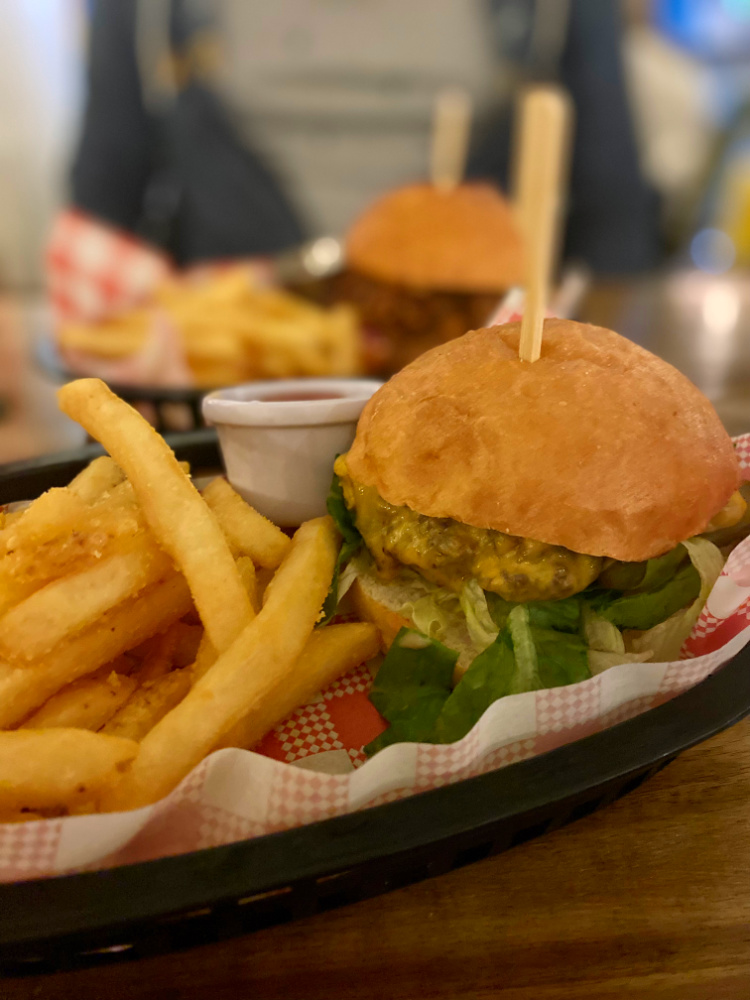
pixel 649 898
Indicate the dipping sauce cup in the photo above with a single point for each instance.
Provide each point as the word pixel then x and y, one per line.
pixel 279 440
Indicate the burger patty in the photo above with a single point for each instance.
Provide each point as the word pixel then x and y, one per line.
pixel 408 321
pixel 450 553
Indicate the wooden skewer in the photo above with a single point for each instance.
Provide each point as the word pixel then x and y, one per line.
pixel 451 125
pixel 542 174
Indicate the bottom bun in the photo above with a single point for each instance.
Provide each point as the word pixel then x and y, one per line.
pixel 374 600
pixel 367 607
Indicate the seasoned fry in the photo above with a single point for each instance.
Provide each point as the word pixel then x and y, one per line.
pixel 23 689
pixel 149 704
pixel 47 768
pixel 37 548
pixel 66 606
pixel 85 704
pixel 54 513
pixel 97 478
pixel 328 654
pixel 247 531
pixel 256 667
pixel 172 506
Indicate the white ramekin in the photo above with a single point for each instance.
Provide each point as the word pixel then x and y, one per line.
pixel 279 455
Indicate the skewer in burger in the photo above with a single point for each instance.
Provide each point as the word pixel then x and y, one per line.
pixel 512 526
pixel 424 265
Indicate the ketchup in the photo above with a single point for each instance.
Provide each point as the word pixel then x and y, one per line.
pixel 300 397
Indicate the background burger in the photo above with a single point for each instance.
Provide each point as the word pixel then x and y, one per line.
pixel 424 265
pixel 525 525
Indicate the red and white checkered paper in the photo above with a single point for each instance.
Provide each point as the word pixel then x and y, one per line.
pixel 311 767
pixel 95 271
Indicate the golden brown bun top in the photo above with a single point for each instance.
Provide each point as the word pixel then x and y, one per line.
pixel 462 240
pixel 599 446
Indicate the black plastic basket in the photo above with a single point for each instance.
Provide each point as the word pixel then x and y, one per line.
pixel 174 903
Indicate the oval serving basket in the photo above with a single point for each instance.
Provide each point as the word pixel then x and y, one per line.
pixel 177 902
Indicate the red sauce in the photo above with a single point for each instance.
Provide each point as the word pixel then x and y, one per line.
pixel 300 397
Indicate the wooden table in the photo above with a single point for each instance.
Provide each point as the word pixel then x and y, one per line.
pixel 647 899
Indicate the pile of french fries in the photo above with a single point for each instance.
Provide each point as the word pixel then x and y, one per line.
pixel 144 624
pixel 232 330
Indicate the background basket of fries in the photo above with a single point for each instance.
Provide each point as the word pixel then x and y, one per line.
pixel 211 327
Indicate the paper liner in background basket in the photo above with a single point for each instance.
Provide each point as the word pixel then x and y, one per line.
pixel 311 767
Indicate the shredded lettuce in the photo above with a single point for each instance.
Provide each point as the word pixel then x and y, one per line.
pixel 606 645
pixel 432 613
pixel 600 660
pixel 665 639
pixel 600 633
pixel 482 628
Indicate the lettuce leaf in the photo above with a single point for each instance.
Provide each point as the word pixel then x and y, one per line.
pixel 649 575
pixel 523 657
pixel 562 658
pixel 665 639
pixel 351 544
pixel 488 678
pixel 412 685
pixel 412 688
pixel 563 615
pixel 644 609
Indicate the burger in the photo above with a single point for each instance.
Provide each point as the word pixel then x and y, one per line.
pixel 515 525
pixel 423 266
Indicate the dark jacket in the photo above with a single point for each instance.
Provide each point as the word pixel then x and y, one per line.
pixel 178 175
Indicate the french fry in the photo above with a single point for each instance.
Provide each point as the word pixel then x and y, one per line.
pixel 99 477
pixel 158 661
pixel 23 689
pixel 328 654
pixel 262 578
pixel 247 531
pixel 247 574
pixel 66 606
pixel 47 768
pixel 80 536
pixel 85 704
pixel 173 508
pixel 19 816
pixel 204 659
pixel 188 639
pixel 148 705
pixel 256 667
pixel 115 338
pixel 55 512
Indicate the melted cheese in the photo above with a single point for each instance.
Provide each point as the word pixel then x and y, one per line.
pixel 730 514
pixel 450 553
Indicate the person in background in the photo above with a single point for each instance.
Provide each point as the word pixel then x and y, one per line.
pixel 236 128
